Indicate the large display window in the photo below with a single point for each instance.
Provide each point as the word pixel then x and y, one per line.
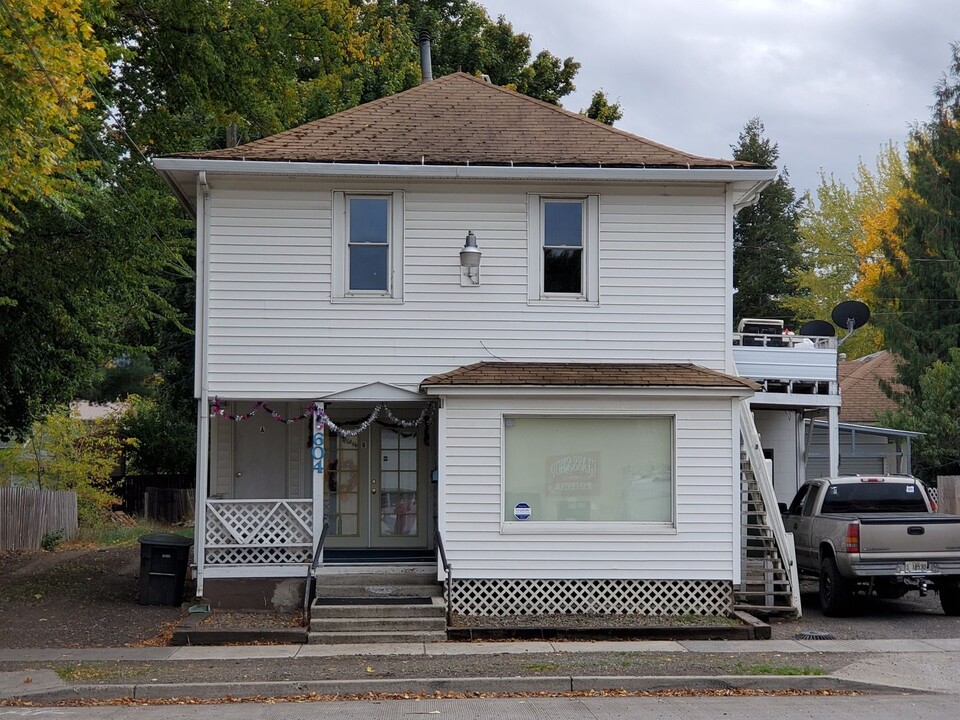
pixel 588 470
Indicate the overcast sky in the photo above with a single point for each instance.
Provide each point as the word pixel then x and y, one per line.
pixel 831 80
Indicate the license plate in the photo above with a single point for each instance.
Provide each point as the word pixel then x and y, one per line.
pixel 916 566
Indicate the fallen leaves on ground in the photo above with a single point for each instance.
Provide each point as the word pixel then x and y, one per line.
pixel 436 695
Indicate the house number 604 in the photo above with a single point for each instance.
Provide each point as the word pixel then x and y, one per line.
pixel 318 451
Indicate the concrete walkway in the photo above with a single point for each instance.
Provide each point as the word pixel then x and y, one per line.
pixel 880 666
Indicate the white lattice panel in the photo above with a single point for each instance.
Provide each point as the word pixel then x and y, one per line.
pixel 258 532
pixel 543 597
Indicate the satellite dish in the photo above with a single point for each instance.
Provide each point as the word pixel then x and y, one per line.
pixel 818 328
pixel 851 314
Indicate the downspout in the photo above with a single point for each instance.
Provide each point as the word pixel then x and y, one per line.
pixel 200 382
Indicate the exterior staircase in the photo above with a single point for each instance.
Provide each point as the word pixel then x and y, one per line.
pixel 377 604
pixel 770 583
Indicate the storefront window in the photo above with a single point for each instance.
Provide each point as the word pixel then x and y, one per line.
pixel 607 469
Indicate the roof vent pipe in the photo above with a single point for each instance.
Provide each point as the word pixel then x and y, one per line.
pixel 426 63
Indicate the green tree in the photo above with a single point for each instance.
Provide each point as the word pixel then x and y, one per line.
pixel 920 291
pixel 602 110
pixel 766 239
pixel 935 412
pixel 464 38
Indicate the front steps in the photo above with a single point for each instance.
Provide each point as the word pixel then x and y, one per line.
pixel 378 604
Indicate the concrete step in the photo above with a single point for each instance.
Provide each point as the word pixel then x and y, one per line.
pixel 377 590
pixel 365 575
pixel 434 609
pixel 412 636
pixel 361 625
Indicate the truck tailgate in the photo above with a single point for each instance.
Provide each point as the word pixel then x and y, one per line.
pixel 912 535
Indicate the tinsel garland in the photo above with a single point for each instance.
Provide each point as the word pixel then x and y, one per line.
pixel 216 409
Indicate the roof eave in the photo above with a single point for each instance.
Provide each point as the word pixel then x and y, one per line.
pixel 440 389
pixel 180 174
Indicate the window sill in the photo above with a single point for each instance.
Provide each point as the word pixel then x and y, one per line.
pixel 525 527
pixel 367 299
pixel 561 301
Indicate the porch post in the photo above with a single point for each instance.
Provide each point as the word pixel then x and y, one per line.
pixel 202 486
pixel 834 440
pixel 318 452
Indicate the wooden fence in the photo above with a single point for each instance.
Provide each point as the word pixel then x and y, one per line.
pixel 133 490
pixel 27 514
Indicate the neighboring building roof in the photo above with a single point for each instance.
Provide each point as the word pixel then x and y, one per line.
pixel 462 120
pixel 588 374
pixel 96 411
pixel 861 397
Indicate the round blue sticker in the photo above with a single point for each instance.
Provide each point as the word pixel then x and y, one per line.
pixel 521 511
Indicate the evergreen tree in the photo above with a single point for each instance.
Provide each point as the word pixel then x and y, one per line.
pixel 766 239
pixel 920 290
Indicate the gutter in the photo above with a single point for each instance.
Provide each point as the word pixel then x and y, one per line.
pixel 465 172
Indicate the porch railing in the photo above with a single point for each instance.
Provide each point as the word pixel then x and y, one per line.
pixel 258 532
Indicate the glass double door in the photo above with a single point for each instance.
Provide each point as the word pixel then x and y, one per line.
pixel 373 490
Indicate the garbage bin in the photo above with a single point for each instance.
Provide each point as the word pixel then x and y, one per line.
pixel 163 568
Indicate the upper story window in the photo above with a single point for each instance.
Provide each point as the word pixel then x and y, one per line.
pixel 368 243
pixel 563 249
pixel 563 241
pixel 367 246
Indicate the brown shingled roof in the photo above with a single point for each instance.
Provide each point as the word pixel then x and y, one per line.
pixel 462 120
pixel 580 374
pixel 861 397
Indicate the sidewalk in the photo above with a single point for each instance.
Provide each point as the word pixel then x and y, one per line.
pixel 909 665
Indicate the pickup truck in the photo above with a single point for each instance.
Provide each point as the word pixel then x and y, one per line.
pixel 874 534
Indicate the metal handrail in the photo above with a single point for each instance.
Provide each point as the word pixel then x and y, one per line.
pixel 311 578
pixel 447 568
pixel 784 540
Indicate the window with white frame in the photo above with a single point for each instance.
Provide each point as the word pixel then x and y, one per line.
pixel 563 248
pixel 588 469
pixel 368 246
pixel 563 241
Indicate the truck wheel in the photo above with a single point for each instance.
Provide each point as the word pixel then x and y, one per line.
pixel 950 600
pixel 836 594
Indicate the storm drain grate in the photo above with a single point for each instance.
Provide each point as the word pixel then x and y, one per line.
pixel 814 635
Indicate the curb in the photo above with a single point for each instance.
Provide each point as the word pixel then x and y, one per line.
pixel 498 685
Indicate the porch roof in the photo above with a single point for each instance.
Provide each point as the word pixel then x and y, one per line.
pixel 588 374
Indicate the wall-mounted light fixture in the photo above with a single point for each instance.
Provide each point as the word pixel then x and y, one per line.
pixel 470 261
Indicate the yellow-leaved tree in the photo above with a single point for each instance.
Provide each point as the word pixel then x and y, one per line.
pixel 49 56
pixel 842 239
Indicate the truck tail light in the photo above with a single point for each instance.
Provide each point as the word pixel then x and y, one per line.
pixel 852 541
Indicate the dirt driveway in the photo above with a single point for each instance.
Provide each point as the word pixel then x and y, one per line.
pixel 78 598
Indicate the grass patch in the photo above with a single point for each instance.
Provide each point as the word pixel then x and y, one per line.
pixel 541 667
pixel 111 535
pixel 89 672
pixel 767 669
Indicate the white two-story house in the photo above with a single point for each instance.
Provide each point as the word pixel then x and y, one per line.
pixel 461 316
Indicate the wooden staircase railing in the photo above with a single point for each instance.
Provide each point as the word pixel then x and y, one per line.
pixel 770 582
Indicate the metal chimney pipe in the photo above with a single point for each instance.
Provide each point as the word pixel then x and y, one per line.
pixel 426 63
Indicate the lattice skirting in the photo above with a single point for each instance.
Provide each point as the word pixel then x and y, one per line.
pixel 543 597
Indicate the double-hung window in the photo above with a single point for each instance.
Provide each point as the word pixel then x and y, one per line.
pixel 368 246
pixel 563 241
pixel 563 248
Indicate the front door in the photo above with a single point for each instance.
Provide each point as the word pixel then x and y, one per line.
pixel 374 488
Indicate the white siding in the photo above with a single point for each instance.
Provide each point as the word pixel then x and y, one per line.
pixel 274 332
pixel 703 546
